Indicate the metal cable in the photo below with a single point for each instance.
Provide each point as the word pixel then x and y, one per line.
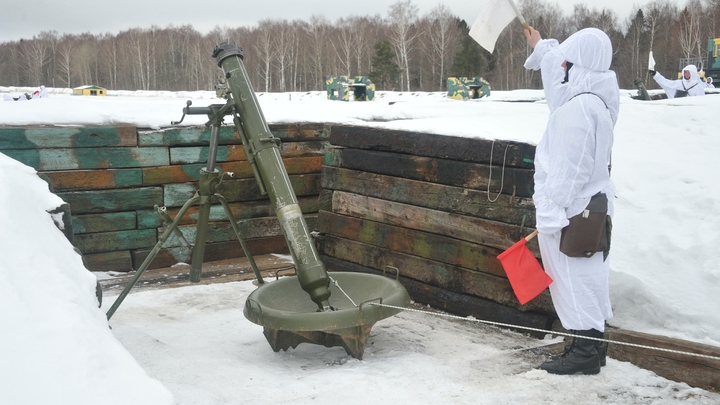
pixel 546 331
pixel 502 175
pixel 343 291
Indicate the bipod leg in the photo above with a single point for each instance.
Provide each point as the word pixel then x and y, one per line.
pixel 163 238
pixel 244 245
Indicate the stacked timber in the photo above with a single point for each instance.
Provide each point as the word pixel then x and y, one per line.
pixel 438 208
pixel 114 177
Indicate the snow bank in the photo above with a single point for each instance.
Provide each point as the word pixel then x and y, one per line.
pixel 55 344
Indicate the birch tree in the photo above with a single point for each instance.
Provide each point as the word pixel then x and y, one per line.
pixel 401 20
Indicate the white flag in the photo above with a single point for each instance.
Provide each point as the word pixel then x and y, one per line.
pixel 493 19
pixel 651 62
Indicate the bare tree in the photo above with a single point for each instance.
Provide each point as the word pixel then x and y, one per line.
pixel 441 30
pixel 401 20
pixel 691 40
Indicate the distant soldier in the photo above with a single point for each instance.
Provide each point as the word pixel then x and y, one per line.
pixel 709 83
pixel 690 84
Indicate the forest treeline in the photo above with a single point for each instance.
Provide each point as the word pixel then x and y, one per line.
pixel 402 51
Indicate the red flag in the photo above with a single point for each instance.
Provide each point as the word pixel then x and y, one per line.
pixel 526 276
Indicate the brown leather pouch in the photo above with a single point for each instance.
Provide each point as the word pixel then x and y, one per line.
pixel 588 232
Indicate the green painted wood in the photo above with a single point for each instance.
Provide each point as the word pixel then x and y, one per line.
pixel 462 227
pixel 109 261
pixel 113 221
pixel 459 200
pixel 448 277
pixel 75 180
pixel 241 169
pixel 199 154
pixel 300 132
pixel 113 241
pixel 456 303
pixel 187 136
pixel 263 227
pixel 517 182
pixel 167 257
pixel 242 210
pixel 66 137
pixel 240 190
pixel 88 202
pixel 90 158
pixel 427 245
pixel 513 154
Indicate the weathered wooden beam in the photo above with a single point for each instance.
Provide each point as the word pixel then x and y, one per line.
pixel 180 155
pixel 33 137
pixel 76 180
pixel 241 210
pixel 87 202
pixel 513 154
pixel 167 257
pixel 505 180
pixel 443 275
pixel 695 371
pixel 106 222
pixel 241 169
pixel 240 190
pixel 427 245
pixel 113 241
pixel 252 228
pixel 199 135
pixel 300 132
pixel 455 303
pixel 462 227
pixel 459 200
pixel 90 158
pixel 109 261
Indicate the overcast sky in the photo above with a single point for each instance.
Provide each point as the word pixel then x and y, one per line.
pixel 27 18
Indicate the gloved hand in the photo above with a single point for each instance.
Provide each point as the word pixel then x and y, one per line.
pixel 652 72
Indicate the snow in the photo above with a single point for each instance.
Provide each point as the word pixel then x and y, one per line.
pixel 195 343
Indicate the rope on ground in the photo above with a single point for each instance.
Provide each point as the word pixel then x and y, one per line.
pixel 507 325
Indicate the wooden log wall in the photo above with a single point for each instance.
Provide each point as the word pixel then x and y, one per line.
pixel 438 208
pixel 112 177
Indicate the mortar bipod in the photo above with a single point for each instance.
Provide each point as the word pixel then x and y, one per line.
pixel 210 179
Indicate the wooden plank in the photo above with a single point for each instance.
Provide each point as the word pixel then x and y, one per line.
pixel 75 180
pixel 113 241
pixel 457 200
pixel 455 303
pixel 514 154
pixel 251 228
pixel 213 251
pixel 516 182
pixel 196 135
pixel 242 210
pixel 240 190
pixel 108 222
pixel 180 155
pixel 426 245
pixel 448 277
pixel 109 261
pixel 300 132
pixel 241 170
pixel 67 137
pixel 462 227
pixel 86 202
pixel 90 158
pixel 695 371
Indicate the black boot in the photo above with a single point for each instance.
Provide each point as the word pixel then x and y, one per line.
pixel 601 347
pixel 581 357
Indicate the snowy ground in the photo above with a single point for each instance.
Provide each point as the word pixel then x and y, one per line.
pixel 195 340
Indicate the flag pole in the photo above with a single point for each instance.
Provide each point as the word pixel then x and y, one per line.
pixel 532 235
pixel 519 16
